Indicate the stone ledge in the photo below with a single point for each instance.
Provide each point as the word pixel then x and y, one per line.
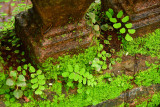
pixel 55 41
pixel 129 95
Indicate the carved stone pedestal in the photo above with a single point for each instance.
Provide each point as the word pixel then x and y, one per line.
pixel 53 28
pixel 144 14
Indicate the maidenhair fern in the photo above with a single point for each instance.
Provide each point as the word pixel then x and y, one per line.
pixel 119 24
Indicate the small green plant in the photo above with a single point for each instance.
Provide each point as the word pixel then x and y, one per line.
pixel 97 63
pixel 2 62
pixel 38 80
pixel 16 81
pixel 94 16
pixel 118 23
pixel 2 82
pixel 74 73
pixel 93 24
pixel 49 69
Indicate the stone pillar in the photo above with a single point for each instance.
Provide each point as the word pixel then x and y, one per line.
pixel 144 14
pixel 53 27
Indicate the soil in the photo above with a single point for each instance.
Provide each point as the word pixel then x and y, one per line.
pixel 12 58
pixel 115 42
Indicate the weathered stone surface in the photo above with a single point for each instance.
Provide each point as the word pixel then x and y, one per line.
pixel 52 28
pixel 2 104
pixel 110 103
pixel 127 66
pixel 156 88
pixel 141 61
pixel 2 101
pixel 144 14
pixel 130 65
pixel 56 41
pixel 60 12
pixel 130 95
pixel 137 92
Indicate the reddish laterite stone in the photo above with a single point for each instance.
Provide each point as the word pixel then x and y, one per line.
pixel 53 27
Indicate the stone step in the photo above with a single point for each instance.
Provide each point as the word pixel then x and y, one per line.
pixel 53 43
pixel 129 96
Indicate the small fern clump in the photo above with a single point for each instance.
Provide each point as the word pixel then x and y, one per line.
pixel 126 29
pixel 74 73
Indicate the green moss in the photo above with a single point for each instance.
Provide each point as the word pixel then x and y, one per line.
pixel 103 91
pixel 147 45
pixel 148 77
pixel 122 105
pixel 81 59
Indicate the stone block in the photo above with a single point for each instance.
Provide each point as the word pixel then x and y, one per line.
pixel 60 12
pixel 54 28
pixel 110 103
